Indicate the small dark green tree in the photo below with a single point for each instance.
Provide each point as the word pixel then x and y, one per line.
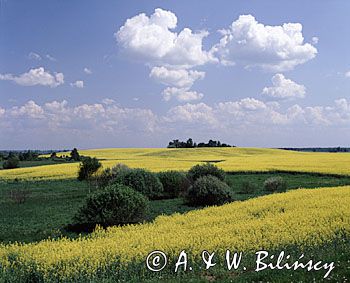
pixel 275 184
pixel 206 169
pixel 208 190
pixel 142 181
pixel 105 177
pixel 74 155
pixel 175 183
pixel 115 205
pixel 88 167
pixel 11 163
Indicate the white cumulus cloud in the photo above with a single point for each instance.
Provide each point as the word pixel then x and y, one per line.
pixel 38 76
pixel 283 88
pixel 314 40
pixel 87 71
pixel 108 101
pixel 181 94
pixel 78 84
pixel 30 109
pixel 180 78
pixel 152 39
pixel 276 48
pixel 192 113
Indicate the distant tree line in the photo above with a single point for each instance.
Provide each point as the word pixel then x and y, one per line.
pixel 21 155
pixel 12 159
pixel 191 144
pixel 318 149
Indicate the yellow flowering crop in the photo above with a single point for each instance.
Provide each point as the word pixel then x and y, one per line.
pixel 229 159
pixel 300 217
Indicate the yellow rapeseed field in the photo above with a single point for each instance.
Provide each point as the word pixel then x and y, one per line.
pixel 300 217
pixel 229 159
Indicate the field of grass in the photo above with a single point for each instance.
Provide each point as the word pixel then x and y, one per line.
pixel 229 159
pixel 51 204
pixel 297 218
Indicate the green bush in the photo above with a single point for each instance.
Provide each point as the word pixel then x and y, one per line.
pixel 115 205
pixel 105 177
pixel 248 188
pixel 206 169
pixel 119 167
pixel 175 183
pixel 11 163
pixel 208 190
pixel 275 184
pixel 142 181
pixel 102 178
pixel 88 167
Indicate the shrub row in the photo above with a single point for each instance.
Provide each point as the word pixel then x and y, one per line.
pixel 271 185
pixel 123 193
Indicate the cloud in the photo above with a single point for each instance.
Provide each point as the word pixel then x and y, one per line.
pixel 283 88
pixel 35 77
pixel 151 38
pixel 2 111
pixel 34 56
pixel 246 111
pixel 87 71
pixel 30 110
pixel 180 78
pixel 248 121
pixel 55 106
pixel 78 84
pixel 108 101
pixel 192 113
pixel 172 55
pixel 51 58
pixel 347 74
pixel 314 40
pixel 86 111
pixel 93 117
pixel 250 113
pixel 181 94
pixel 245 104
pixel 274 48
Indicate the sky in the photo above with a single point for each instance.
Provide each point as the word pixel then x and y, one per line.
pixel 95 74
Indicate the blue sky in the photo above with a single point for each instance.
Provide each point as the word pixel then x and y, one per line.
pixel 96 74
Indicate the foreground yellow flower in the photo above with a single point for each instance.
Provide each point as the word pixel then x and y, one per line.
pixel 300 217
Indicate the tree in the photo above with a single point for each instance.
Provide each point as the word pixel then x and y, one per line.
pixel 74 155
pixel 117 204
pixel 189 143
pixel 11 163
pixel 209 190
pixel 88 167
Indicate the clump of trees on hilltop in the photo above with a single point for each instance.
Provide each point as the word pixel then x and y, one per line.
pixel 191 144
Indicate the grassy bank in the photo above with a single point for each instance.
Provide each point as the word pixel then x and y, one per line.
pixel 50 205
